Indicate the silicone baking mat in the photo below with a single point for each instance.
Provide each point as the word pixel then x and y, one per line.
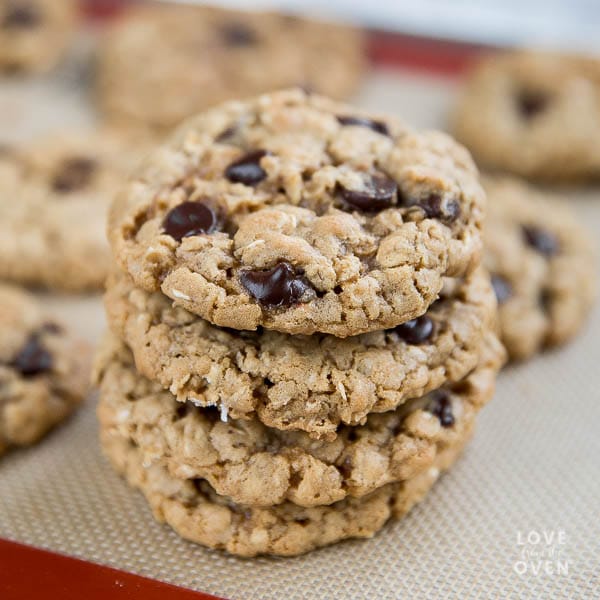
pixel 516 518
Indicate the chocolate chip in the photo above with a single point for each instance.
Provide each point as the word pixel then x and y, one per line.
pixel 74 174
pixel 20 15
pixel 226 134
pixel 502 288
pixel 238 35
pixel 182 410
pixel 346 467
pixel 247 169
pixel 531 103
pixel 541 240
pixel 417 331
pixel 545 299
pixel 435 208
pixel 33 358
pixel 378 126
pixel 279 286
pixel 440 405
pixel 378 194
pixel 52 328
pixel 188 219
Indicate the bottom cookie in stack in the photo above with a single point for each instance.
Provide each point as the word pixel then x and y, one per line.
pixel 197 471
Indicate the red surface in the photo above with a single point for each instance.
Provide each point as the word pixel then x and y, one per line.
pixel 28 573
pixel 396 49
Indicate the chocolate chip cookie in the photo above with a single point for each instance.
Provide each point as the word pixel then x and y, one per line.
pixel 201 56
pixel 54 196
pixel 301 215
pixel 34 34
pixel 43 372
pixel 259 466
pixel 309 383
pixel 542 266
pixel 534 114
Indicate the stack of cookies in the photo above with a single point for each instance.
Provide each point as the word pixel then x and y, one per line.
pixel 301 334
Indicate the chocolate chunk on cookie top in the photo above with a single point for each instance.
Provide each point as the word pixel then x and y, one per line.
pixel 301 215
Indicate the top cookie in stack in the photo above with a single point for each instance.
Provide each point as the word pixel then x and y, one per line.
pixel 301 334
pixel 300 215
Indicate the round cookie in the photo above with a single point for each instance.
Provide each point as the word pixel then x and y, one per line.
pixel 534 114
pixel 54 196
pixel 542 265
pixel 309 383
pixel 301 215
pixel 34 34
pixel 197 513
pixel 201 56
pixel 255 465
pixel 43 373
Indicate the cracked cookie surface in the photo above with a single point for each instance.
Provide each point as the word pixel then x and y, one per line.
pixel 310 383
pixel 301 215
pixel 255 465
pixel 43 372
pixel 201 56
pixel 533 114
pixel 34 34
pixel 54 197
pixel 542 265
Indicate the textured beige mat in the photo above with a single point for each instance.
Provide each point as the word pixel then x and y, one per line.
pixel 532 469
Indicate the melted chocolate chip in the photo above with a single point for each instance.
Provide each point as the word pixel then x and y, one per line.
pixel 531 103
pixel 378 194
pixel 378 126
pixel 440 405
pixel 502 288
pixel 541 240
pixel 434 208
pixel 74 174
pixel 33 358
pixel 417 331
pixel 20 16
pixel 238 35
pixel 279 286
pixel 247 169
pixel 189 218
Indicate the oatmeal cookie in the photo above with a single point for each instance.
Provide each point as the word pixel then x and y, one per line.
pixel 54 196
pixel 34 34
pixel 542 265
pixel 201 56
pixel 301 215
pixel 534 114
pixel 43 372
